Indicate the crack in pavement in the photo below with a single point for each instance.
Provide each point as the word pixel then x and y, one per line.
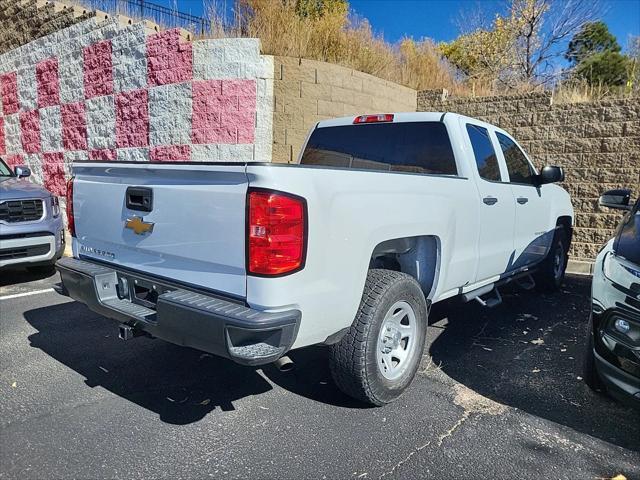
pixel 471 403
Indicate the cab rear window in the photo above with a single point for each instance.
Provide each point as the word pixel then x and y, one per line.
pixel 416 147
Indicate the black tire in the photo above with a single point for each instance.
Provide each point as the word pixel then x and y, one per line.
pixel 589 371
pixel 550 274
pixel 354 360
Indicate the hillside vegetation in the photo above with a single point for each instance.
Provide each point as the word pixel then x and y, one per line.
pixel 514 53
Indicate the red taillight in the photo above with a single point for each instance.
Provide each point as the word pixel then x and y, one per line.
pixel 379 117
pixel 70 220
pixel 276 231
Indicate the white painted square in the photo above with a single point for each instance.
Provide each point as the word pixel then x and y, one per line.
pixel 71 77
pixel 71 156
pixel 34 162
pixel 204 153
pixel 101 122
pixel 129 59
pixel 241 49
pixel 235 152
pixel 136 154
pixel 206 52
pixel 170 114
pixel 27 90
pixel 262 151
pixel 12 138
pixel 51 129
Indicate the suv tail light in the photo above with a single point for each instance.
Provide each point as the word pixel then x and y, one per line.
pixel 377 118
pixel 276 233
pixel 70 219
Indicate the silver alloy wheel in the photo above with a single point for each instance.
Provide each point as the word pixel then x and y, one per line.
pixel 558 261
pixel 397 340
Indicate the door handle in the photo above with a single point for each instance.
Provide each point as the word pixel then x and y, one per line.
pixel 490 200
pixel 522 200
pixel 139 198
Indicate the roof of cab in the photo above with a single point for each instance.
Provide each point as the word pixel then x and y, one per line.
pixel 397 118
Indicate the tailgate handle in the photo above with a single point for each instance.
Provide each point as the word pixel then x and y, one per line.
pixel 140 198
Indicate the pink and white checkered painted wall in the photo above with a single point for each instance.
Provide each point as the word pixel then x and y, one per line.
pixel 103 91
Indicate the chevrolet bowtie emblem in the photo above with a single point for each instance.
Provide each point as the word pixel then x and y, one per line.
pixel 139 226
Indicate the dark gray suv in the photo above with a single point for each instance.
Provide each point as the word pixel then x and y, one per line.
pixel 612 361
pixel 31 227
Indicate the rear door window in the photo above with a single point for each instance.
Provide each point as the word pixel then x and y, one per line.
pixel 518 166
pixel 415 147
pixel 483 151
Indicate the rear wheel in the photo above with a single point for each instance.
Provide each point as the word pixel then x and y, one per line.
pixel 379 356
pixel 550 273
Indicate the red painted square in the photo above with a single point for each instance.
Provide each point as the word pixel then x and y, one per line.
pixel 74 126
pixel 30 131
pixel 224 111
pixel 53 172
pixel 98 69
pixel 14 160
pixel 239 88
pixel 170 153
pixel 9 87
pixel 47 83
pixel 108 154
pixel 132 119
pixel 168 59
pixel 3 145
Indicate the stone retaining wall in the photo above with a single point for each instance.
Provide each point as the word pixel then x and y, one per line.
pixel 308 91
pixel 597 143
pixel 108 90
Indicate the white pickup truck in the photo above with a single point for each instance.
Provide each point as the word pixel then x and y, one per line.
pixel 383 216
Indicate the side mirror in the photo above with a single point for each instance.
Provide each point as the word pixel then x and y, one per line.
pixel 22 171
pixel 551 174
pixel 618 199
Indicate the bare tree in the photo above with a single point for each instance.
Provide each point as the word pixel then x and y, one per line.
pixel 545 27
pixel 519 49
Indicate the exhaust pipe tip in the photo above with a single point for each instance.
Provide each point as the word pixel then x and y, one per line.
pixel 284 364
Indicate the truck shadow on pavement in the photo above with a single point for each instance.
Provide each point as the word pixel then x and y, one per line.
pixel 527 353
pixel 181 385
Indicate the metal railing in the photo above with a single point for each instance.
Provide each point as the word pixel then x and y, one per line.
pixel 143 10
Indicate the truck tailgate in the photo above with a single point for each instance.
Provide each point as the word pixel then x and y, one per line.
pixel 197 217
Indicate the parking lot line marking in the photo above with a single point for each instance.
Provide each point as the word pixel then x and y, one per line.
pixel 26 294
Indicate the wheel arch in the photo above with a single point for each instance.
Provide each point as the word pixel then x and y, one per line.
pixel 566 222
pixel 417 256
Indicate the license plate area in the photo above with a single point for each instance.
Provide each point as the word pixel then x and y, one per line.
pixel 140 291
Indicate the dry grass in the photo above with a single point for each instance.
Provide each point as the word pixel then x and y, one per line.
pixel 582 92
pixel 335 37
pixel 338 37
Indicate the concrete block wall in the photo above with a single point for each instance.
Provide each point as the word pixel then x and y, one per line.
pixel 26 20
pixel 597 143
pixel 104 90
pixel 307 91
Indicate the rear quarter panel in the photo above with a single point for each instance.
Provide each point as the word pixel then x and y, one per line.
pixel 349 213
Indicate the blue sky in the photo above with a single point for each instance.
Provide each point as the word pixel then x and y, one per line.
pixel 437 18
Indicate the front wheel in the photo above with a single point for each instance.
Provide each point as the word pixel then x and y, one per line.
pixel 589 371
pixel 379 356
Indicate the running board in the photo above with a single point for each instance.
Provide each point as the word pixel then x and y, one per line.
pixel 477 294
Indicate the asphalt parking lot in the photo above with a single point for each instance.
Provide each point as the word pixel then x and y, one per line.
pixel 499 396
